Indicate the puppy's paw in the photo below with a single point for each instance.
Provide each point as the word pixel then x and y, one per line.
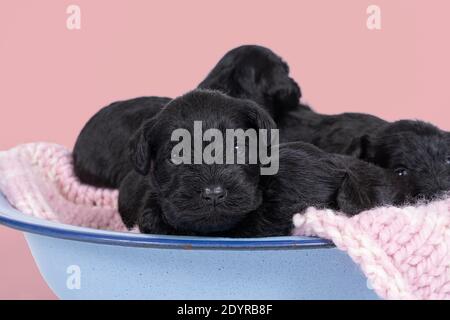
pixel 286 95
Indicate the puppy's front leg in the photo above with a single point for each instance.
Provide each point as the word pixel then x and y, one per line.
pixel 151 220
pixel 152 224
pixel 139 205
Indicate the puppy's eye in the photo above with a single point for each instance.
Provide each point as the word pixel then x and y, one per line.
pixel 447 160
pixel 401 172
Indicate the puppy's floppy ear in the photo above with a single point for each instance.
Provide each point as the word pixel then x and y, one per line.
pixel 139 147
pixel 286 93
pixel 259 118
pixel 361 147
pixel 352 196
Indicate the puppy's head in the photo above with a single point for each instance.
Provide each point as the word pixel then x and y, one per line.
pixel 256 73
pixel 417 152
pixel 201 198
pixel 367 186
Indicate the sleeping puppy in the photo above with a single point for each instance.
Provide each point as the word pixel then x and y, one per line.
pixel 251 72
pixel 307 177
pixel 256 73
pixel 99 156
pixel 310 177
pixel 416 151
pixel 332 133
pixel 166 197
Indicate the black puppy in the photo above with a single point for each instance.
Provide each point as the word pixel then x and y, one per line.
pixel 418 152
pixel 168 198
pixel 251 72
pixel 255 73
pixel 310 177
pixel 332 133
pixel 100 153
pixel 307 177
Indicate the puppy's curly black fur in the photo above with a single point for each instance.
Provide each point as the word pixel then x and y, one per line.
pixel 249 71
pixel 255 73
pixel 100 154
pixel 162 197
pixel 310 177
pixel 418 152
pixel 307 177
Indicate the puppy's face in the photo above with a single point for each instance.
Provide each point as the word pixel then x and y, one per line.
pixel 417 152
pixel 200 198
pixel 255 73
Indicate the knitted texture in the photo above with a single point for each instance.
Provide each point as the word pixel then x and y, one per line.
pixel 404 252
pixel 38 180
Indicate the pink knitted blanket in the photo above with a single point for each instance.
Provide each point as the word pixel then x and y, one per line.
pixel 404 252
pixel 37 179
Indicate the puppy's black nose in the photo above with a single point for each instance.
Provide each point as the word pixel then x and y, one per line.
pixel 214 195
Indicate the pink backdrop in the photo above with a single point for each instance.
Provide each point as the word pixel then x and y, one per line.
pixel 53 79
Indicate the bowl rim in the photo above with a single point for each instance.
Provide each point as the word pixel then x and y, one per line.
pixel 15 219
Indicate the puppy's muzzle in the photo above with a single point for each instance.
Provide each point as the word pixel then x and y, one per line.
pixel 214 195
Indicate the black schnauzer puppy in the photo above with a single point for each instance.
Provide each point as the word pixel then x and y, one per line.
pixel 251 72
pixel 255 73
pixel 100 155
pixel 166 197
pixel 307 177
pixel 310 177
pixel 418 152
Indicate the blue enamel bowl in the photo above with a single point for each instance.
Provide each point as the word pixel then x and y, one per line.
pixel 83 263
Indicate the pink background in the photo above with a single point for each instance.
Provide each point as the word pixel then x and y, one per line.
pixel 53 79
